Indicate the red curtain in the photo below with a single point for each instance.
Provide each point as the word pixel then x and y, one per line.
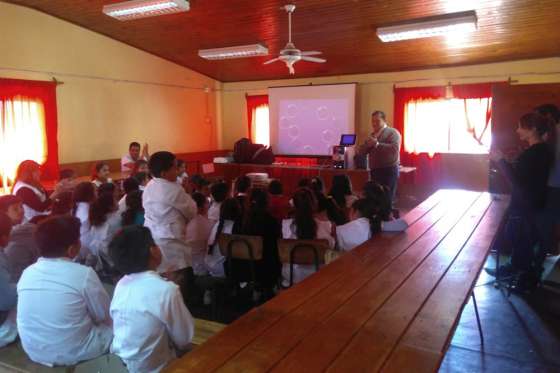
pixel 429 169
pixel 46 93
pixel 252 103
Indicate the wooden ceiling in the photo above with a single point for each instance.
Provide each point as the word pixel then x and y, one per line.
pixel 344 30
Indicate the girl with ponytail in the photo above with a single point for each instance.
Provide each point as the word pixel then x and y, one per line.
pixel 304 226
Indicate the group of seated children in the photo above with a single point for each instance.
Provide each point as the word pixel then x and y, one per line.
pixel 61 245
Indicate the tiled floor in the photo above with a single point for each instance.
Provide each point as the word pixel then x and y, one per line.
pixel 522 334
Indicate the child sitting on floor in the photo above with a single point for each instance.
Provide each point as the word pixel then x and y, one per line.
pixel 152 325
pixel 198 232
pixel 63 309
pixel 8 293
pixel 100 174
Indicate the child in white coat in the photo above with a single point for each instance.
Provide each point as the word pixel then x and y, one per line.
pixel 152 326
pixel 167 210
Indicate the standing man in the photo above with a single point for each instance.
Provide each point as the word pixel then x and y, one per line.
pixel 383 146
pixel 134 154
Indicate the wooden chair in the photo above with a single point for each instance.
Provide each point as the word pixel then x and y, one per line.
pixel 241 247
pixel 304 252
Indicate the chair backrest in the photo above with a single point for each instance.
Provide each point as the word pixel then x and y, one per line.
pixel 309 252
pixel 240 246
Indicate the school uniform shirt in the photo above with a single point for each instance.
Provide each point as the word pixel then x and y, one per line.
pixel 167 209
pixel 97 239
pixel 150 320
pixel 97 183
pixel 324 229
pixel 128 159
pixel 62 313
pixel 198 233
pixel 35 200
pixel 8 302
pixel 122 204
pixel 358 231
pixel 215 261
pixel 22 250
pixel 214 211
pixel 82 212
pixel 181 178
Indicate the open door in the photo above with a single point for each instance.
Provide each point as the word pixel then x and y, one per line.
pixel 509 103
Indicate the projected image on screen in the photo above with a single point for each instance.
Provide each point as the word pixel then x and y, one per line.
pixel 310 126
pixel 308 120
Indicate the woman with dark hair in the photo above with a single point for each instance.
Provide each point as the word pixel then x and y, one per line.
pixel 528 178
pixel 134 213
pixel 241 190
pixel 231 221
pixel 100 174
pixel 27 186
pixel 341 191
pixel 304 226
pixel 381 195
pixel 260 222
pixel 104 221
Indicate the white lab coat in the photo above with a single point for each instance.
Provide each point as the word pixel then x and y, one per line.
pixel 215 261
pixel 198 233
pixel 358 231
pixel 28 212
pixel 97 239
pixel 62 313
pixel 150 320
pixel 167 210
pixel 324 229
pixel 214 211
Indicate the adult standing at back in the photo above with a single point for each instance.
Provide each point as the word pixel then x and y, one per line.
pixel 135 153
pixel 383 146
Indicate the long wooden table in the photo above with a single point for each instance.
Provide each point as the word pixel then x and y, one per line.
pixel 291 174
pixel 391 305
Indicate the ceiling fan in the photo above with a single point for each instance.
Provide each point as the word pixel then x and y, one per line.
pixel 290 54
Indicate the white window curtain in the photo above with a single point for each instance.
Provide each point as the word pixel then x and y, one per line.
pixel 22 136
pixel 260 126
pixel 448 126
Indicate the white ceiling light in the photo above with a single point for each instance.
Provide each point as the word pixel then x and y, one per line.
pixel 134 9
pixel 240 51
pixel 462 22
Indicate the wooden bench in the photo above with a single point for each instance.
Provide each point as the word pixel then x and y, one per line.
pixel 391 304
pixel 14 359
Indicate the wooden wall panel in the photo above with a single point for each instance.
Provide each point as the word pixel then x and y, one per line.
pixel 343 30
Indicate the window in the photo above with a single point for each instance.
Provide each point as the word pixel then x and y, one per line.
pixel 261 126
pixel 22 135
pixel 447 126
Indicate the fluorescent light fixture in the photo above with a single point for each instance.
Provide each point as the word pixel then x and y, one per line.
pixel 134 9
pixel 240 51
pixel 461 22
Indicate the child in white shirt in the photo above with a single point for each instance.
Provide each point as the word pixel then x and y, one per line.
pixel 230 222
pixel 63 309
pixel 304 226
pixel 152 325
pixel 219 192
pixel 8 293
pixel 365 222
pixel 100 174
pixel 167 210
pixel 198 233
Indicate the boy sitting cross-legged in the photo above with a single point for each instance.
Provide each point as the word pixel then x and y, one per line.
pixel 63 309
pixel 152 325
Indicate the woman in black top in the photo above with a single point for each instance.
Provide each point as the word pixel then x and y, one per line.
pixel 528 176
